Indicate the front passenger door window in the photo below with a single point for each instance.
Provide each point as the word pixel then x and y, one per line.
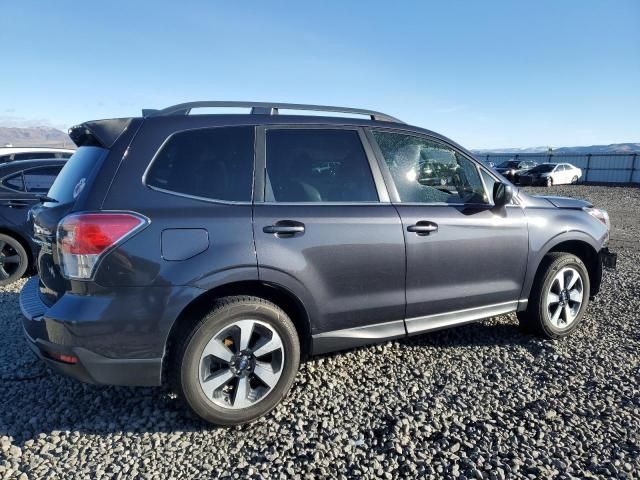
pixel 426 171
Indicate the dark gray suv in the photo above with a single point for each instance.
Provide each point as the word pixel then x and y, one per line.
pixel 214 252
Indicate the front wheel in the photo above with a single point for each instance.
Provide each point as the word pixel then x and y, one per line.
pixel 574 180
pixel 549 182
pixel 559 296
pixel 238 362
pixel 13 260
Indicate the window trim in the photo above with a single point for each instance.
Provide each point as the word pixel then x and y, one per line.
pixel 197 197
pixel 395 196
pixel 12 174
pixel 261 165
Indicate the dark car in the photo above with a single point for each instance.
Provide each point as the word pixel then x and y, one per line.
pixel 213 252
pixel 22 182
pixel 511 169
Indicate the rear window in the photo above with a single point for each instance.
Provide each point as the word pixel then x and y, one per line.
pixel 14 182
pixel 213 163
pixel 75 173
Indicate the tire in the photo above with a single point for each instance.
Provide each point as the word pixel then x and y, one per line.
pixel 574 180
pixel 14 260
pixel 222 330
pixel 538 318
pixel 549 182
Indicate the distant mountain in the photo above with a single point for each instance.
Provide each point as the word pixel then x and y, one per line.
pixel 34 137
pixel 613 148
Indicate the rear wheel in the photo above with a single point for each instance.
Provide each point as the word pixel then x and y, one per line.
pixel 238 362
pixel 559 297
pixel 13 260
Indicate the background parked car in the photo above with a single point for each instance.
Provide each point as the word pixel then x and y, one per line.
pixel 21 185
pixel 10 154
pixel 511 169
pixel 551 174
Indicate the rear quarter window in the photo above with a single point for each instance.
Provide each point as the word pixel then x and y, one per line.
pixel 210 163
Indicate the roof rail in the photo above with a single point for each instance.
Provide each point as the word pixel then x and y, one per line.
pixel 265 108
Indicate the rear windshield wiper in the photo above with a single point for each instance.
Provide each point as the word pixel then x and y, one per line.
pixel 44 198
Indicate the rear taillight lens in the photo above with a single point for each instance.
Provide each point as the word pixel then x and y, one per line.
pixel 84 238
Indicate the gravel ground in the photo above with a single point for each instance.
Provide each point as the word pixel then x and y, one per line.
pixel 479 401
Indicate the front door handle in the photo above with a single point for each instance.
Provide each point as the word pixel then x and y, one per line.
pixel 285 228
pixel 423 228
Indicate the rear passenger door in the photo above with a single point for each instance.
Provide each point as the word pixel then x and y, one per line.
pixel 324 229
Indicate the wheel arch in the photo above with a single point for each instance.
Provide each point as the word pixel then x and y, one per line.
pixel 277 294
pixel 577 243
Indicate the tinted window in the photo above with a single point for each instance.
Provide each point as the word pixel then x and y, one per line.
pixel 5 158
pixel 14 182
pixel 75 173
pixel 425 171
pixel 214 163
pixel 33 155
pixel 316 165
pixel 39 180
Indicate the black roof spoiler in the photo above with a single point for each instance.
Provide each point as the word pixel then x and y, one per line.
pixel 99 133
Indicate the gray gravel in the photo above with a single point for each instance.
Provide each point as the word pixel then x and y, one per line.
pixel 479 401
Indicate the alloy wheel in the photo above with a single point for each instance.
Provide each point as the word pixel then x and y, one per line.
pixel 10 260
pixel 565 297
pixel 241 364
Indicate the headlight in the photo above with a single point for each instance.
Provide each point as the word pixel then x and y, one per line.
pixel 599 214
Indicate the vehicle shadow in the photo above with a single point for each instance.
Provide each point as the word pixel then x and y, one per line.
pixel 34 400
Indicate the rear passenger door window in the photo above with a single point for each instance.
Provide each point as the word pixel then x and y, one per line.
pixel 207 163
pixel 39 180
pixel 317 166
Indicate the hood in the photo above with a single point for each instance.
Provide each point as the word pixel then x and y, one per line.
pixel 564 202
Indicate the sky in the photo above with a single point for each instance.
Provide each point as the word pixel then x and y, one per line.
pixel 487 74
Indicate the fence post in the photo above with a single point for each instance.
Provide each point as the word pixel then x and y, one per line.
pixel 586 175
pixel 633 167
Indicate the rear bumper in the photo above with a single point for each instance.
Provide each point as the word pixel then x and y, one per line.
pixel 93 368
pixel 114 339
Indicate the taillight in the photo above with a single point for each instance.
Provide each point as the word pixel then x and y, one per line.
pixel 83 238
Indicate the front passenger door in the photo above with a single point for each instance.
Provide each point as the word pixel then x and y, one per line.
pixel 465 258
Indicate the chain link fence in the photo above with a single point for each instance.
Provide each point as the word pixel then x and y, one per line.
pixel 596 167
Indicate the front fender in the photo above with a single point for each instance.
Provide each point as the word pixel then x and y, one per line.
pixel 549 227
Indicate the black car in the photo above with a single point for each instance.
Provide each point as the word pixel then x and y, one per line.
pixel 511 169
pixel 213 252
pixel 22 183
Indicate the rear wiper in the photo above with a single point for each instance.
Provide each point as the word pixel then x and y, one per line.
pixel 44 198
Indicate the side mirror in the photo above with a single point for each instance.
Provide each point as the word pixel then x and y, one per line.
pixel 502 194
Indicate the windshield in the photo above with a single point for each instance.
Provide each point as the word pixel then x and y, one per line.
pixel 75 173
pixel 546 167
pixel 509 164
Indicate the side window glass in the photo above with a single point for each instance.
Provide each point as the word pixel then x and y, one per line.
pixel 425 171
pixel 489 182
pixel 14 182
pixel 317 165
pixel 39 180
pixel 215 163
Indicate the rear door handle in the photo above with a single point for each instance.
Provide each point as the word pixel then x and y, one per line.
pixel 285 228
pixel 423 228
pixel 18 204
